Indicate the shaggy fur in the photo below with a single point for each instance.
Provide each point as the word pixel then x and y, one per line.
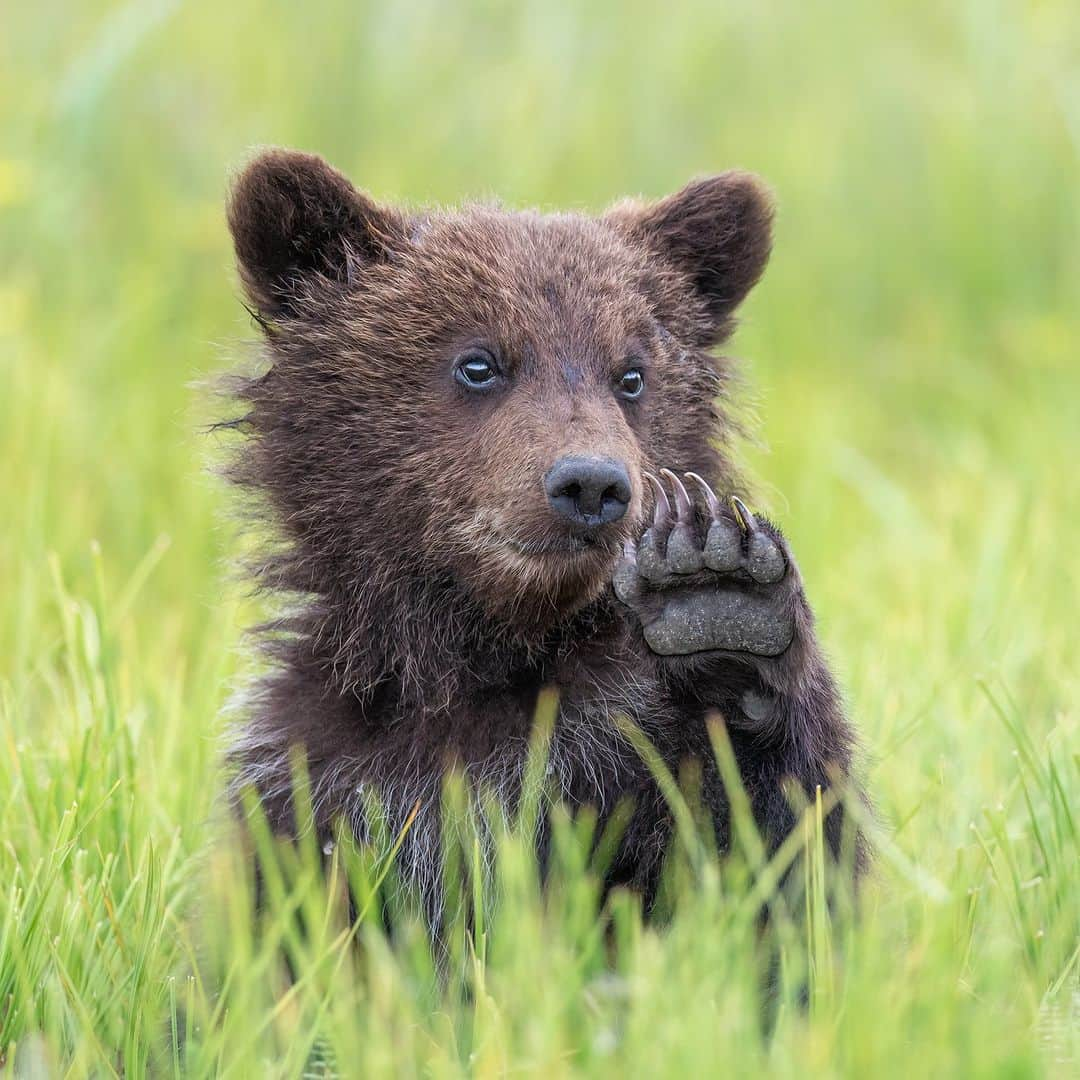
pixel 439 591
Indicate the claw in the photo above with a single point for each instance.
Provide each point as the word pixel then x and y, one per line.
pixel 747 521
pixel 684 508
pixel 662 513
pixel 711 501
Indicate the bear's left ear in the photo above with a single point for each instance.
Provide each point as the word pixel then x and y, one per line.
pixel 294 218
pixel 716 231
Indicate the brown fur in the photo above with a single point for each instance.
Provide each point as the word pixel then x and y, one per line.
pixel 438 591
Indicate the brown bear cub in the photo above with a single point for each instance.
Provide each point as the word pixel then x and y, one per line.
pixel 493 446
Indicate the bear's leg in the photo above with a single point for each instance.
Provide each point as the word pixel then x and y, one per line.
pixel 721 605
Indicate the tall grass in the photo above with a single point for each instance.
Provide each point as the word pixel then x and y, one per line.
pixel 913 355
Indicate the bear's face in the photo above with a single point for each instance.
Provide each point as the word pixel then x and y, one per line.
pixel 475 395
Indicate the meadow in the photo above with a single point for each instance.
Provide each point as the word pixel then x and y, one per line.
pixel 912 368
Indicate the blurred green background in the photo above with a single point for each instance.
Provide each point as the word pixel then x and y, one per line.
pixel 913 357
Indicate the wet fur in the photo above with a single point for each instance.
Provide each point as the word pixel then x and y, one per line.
pixel 413 527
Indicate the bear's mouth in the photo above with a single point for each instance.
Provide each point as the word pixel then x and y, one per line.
pixel 564 545
pixel 534 576
pixel 570 545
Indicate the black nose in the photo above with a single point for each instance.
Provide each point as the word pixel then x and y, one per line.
pixel 587 490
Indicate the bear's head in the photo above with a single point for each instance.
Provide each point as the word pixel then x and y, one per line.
pixel 464 402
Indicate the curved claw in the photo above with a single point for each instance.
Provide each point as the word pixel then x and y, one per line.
pixel 747 521
pixel 684 508
pixel 662 513
pixel 711 501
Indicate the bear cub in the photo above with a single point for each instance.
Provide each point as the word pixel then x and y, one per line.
pixel 494 448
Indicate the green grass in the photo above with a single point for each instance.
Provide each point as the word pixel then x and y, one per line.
pixel 914 357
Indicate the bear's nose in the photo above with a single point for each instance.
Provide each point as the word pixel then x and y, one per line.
pixel 588 490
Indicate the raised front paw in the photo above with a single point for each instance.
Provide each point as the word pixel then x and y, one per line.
pixel 709 577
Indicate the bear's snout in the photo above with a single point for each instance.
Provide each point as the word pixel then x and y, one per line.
pixel 588 491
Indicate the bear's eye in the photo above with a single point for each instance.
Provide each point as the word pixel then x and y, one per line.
pixel 476 370
pixel 631 383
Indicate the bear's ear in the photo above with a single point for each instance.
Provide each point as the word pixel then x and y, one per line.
pixel 292 216
pixel 716 231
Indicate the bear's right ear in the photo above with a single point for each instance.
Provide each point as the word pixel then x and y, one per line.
pixel 716 231
pixel 292 217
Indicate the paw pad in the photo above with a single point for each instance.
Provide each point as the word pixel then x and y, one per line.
pixel 707 576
